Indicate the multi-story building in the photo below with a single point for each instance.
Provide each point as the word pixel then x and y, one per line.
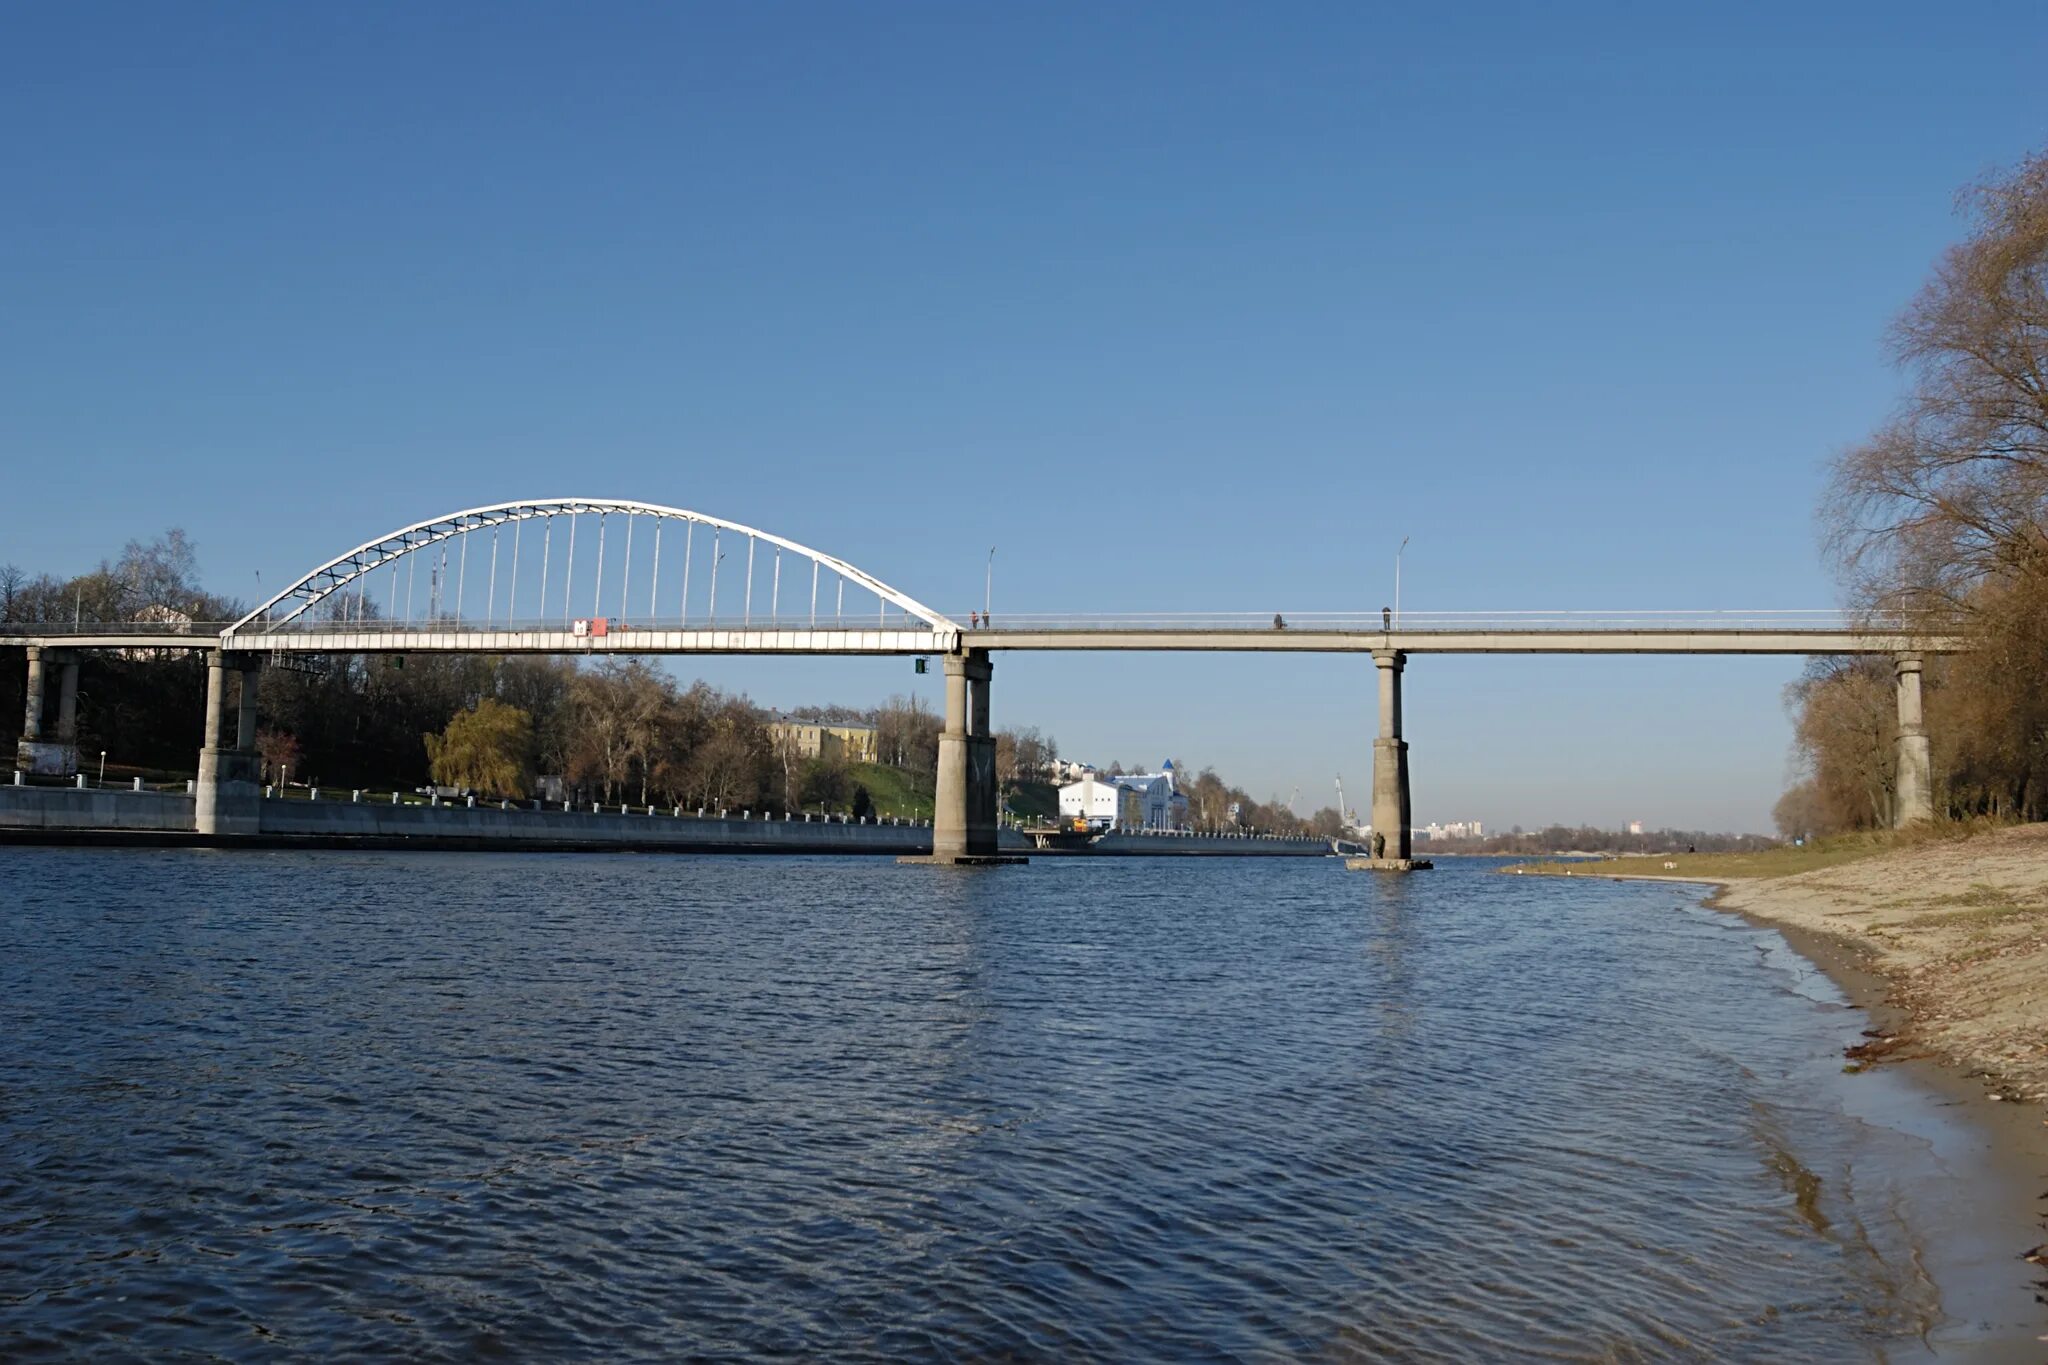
pixel 1129 801
pixel 850 741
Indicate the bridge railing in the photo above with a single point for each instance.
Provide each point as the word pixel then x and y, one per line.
pixel 593 626
pixel 1436 622
pixel 71 629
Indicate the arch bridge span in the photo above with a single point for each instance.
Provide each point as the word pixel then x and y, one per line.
pixel 589 575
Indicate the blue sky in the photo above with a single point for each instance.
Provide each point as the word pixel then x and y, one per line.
pixel 1191 307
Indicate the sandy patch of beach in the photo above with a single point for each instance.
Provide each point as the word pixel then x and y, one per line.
pixel 1959 930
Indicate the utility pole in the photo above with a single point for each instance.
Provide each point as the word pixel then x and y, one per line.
pixel 1397 580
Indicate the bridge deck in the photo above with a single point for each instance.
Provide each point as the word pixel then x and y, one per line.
pixel 789 640
pixel 1537 641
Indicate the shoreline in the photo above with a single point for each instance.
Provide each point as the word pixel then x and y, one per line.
pixel 1855 968
pixel 1904 987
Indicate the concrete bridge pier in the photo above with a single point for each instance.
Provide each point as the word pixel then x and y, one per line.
pixel 47 748
pixel 229 790
pixel 964 806
pixel 1390 808
pixel 1915 800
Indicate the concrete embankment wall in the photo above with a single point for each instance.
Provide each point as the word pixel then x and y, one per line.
pixel 59 808
pixel 104 815
pixel 488 825
pixel 1205 846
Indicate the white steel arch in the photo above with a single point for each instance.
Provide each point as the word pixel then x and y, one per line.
pixel 351 569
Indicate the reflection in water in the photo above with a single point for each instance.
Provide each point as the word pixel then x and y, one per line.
pixel 426 1105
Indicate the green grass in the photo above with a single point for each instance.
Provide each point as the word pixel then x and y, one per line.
pixel 906 795
pixel 1035 802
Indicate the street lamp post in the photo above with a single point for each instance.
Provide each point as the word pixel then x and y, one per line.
pixel 988 585
pixel 1397 580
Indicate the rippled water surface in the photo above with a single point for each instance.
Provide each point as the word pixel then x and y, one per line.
pixel 257 1104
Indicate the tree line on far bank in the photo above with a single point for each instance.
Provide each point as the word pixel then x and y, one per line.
pixel 1940 519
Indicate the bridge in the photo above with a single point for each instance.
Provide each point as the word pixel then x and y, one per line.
pixel 511 579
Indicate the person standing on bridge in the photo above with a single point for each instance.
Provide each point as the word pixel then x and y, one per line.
pixel 1386 618
pixel 974 620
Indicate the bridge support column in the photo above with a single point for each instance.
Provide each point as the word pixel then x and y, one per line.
pixel 964 804
pixel 32 723
pixel 229 793
pixel 67 702
pixel 1390 809
pixel 1915 800
pixel 47 749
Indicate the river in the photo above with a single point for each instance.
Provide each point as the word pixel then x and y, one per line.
pixel 450 1105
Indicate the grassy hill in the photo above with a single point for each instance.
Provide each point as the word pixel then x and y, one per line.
pixel 908 795
pixel 905 795
pixel 1033 802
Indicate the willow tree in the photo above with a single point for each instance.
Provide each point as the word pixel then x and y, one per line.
pixel 488 749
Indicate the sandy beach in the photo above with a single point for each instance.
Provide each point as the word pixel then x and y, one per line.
pixel 1957 930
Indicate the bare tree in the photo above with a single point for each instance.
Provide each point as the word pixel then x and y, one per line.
pixel 1953 491
pixel 1940 518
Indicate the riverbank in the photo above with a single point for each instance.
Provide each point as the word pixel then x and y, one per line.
pixel 1945 939
pixel 1957 930
pixel 1940 939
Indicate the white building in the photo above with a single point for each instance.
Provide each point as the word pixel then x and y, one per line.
pixel 1131 801
pixel 1094 799
pixel 1154 793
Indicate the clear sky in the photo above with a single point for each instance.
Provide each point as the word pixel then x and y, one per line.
pixel 1183 307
